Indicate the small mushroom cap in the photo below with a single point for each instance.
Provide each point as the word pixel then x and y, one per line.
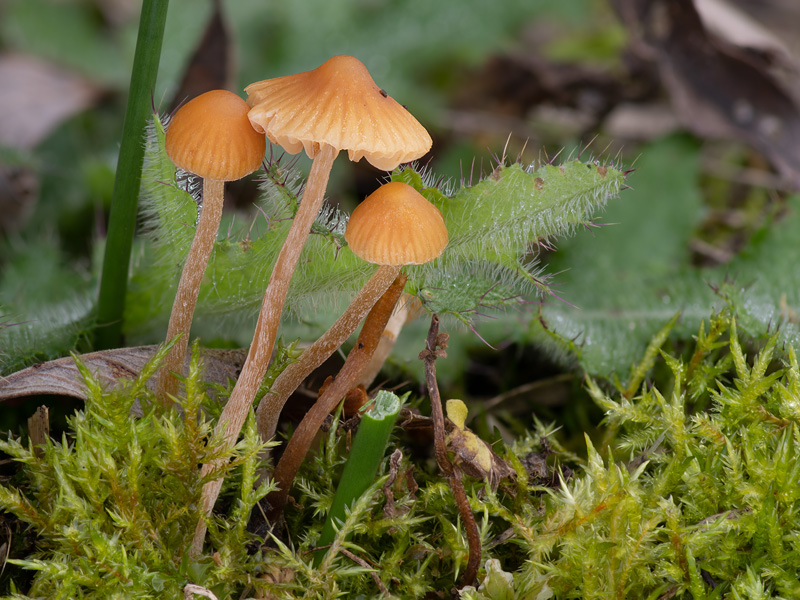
pixel 396 225
pixel 337 104
pixel 211 136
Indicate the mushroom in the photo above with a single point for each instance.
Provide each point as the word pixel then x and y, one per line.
pixel 334 107
pixel 394 226
pixel 210 136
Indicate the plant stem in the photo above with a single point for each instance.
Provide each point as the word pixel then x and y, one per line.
pixel 271 405
pixel 180 320
pixel 359 356
pixel 255 366
pixel 429 355
pixel 122 218
pixel 365 457
pixel 453 473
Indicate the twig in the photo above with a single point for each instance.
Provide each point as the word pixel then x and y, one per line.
pixel 435 348
pixel 362 563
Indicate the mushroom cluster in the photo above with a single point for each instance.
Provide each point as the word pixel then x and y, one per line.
pixel 393 227
pixel 334 107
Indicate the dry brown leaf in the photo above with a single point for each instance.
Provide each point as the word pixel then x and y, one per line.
pixel 474 456
pixel 61 377
pixel 720 89
pixel 36 97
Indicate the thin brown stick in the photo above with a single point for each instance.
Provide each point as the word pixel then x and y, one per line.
pixel 362 563
pixel 429 355
pixel 473 535
pixel 435 346
pixel 359 357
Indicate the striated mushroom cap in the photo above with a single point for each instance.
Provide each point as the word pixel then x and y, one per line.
pixel 211 136
pixel 396 225
pixel 337 104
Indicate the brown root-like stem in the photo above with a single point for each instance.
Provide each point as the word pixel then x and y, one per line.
pixel 429 356
pixel 255 366
pixel 434 348
pixel 271 405
pixel 180 320
pixel 359 357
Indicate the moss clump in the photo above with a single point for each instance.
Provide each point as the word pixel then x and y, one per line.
pixel 115 503
pixel 694 494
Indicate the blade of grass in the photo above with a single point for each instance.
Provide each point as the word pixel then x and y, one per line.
pixel 122 219
pixel 366 454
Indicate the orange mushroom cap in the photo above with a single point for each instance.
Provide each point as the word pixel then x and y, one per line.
pixel 211 136
pixel 396 225
pixel 337 104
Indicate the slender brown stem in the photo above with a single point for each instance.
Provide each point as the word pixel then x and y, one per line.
pixel 359 356
pixel 271 405
pixel 473 535
pixel 180 320
pixel 429 355
pixel 452 472
pixel 255 366
pixel 386 345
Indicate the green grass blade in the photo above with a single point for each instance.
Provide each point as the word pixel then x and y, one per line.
pixel 365 457
pixel 122 220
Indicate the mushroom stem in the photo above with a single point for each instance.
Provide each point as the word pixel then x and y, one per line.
pixel 271 405
pixel 332 394
pixel 255 366
pixel 180 320
pixel 386 345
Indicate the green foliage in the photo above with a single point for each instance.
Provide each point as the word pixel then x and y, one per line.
pixel 628 278
pixel 694 494
pixel 366 454
pixel 699 503
pixel 701 499
pixel 115 503
pixel 127 181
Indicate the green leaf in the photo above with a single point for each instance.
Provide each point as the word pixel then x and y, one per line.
pixel 627 278
pixel 491 222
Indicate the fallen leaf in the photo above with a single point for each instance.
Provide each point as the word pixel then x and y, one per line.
pixel 61 377
pixel 36 97
pixel 720 89
pixel 475 457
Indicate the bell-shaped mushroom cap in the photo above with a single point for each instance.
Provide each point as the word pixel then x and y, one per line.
pixel 337 104
pixel 396 225
pixel 211 136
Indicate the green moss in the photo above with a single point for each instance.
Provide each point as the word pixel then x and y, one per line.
pixel 115 502
pixel 694 494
